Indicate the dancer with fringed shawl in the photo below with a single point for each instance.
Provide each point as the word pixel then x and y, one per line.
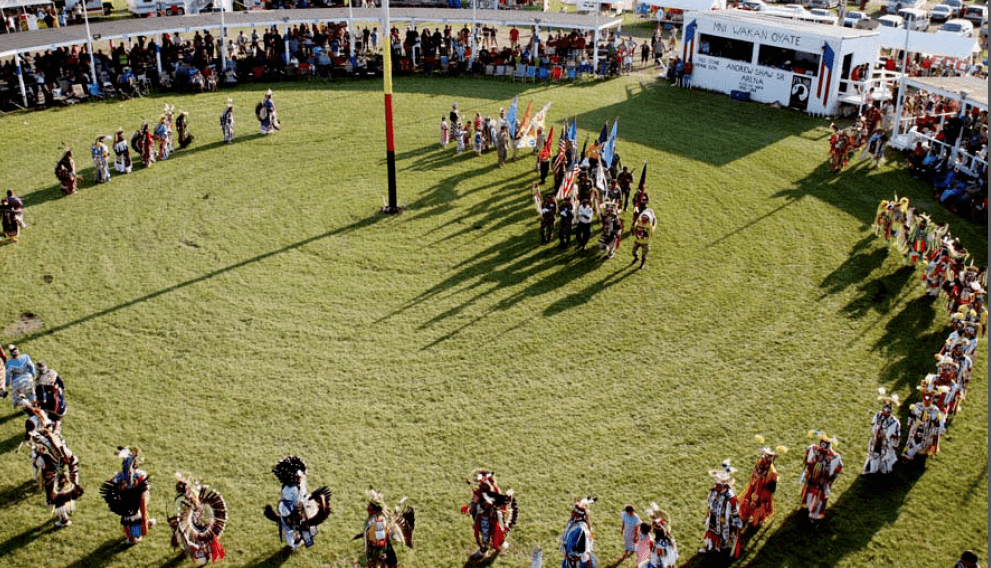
pixel 493 513
pixel 127 494
pixel 56 468
pixel 299 512
pixel 381 527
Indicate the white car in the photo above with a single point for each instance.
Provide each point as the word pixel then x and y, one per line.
pixel 850 19
pixel 957 26
pixel 822 16
pixel 957 6
pixel 941 13
pixel 891 21
pixel 754 5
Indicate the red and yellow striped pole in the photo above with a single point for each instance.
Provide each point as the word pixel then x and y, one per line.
pixel 390 140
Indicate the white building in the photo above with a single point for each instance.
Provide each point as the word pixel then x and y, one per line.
pixel 794 63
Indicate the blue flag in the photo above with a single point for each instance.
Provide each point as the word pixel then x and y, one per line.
pixel 610 146
pixel 573 131
pixel 511 118
pixel 604 135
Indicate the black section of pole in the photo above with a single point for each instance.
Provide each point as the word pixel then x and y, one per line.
pixel 390 162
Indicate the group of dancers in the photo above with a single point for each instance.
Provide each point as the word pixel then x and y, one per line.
pixel 150 144
pixel 153 143
pixel 869 133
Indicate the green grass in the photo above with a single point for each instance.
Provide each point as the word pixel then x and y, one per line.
pixel 240 302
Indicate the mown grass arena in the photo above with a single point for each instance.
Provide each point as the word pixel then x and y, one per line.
pixel 237 303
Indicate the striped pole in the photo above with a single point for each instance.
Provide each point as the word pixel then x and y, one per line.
pixel 390 142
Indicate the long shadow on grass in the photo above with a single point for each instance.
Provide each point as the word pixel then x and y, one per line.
pixel 869 505
pixel 11 443
pixel 277 559
pixel 364 223
pixel 25 538
pixel 718 132
pixel 856 268
pixel 9 417
pixel 910 344
pixel 103 554
pixel 13 495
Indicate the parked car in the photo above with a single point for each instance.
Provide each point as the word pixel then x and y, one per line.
pixel 851 18
pixel 957 6
pixel 941 13
pixel 977 15
pixel 917 20
pixel 957 26
pixel 754 5
pixel 895 5
pixel 822 16
pixel 824 3
pixel 890 21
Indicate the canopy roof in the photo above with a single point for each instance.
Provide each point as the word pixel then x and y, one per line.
pixel 947 45
pixel 24 42
pixel 976 89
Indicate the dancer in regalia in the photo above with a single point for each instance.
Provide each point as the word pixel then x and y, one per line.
pixel 299 512
pixel 757 502
pixel 19 377
pixel 162 135
pixel 65 171
pixel 127 494
pixel 122 153
pixel 227 122
pixel 267 116
pixel 57 472
pixel 643 230
pixel 493 513
pixel 664 549
pixel 101 160
pixel 722 520
pixel 182 130
pixel 886 432
pixel 926 424
pixel 822 466
pixel 445 132
pixel 381 527
pixel 49 391
pixel 577 543
pixel 201 514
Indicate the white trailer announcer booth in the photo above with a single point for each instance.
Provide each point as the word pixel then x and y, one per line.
pixel 796 64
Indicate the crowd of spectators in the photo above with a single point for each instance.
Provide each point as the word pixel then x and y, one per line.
pixel 949 149
pixel 198 63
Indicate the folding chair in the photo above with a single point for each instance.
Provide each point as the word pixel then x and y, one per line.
pixel 531 73
pixel 543 74
pixel 520 72
pixel 78 93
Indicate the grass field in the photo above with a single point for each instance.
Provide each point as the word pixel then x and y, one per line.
pixel 240 302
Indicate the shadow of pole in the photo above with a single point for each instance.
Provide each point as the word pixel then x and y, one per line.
pixel 367 222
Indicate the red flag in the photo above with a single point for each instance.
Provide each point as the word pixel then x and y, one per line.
pixel 545 152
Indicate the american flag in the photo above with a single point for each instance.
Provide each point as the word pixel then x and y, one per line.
pixel 561 150
pixel 567 186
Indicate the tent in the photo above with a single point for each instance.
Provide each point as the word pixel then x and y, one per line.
pixel 946 45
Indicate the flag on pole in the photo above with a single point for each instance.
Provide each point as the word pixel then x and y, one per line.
pixel 545 152
pixel 643 178
pixel 600 177
pixel 610 146
pixel 568 184
pixel 573 131
pixel 562 153
pixel 528 131
pixel 511 118
pixel 604 135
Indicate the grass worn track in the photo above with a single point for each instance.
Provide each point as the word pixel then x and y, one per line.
pixel 239 302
